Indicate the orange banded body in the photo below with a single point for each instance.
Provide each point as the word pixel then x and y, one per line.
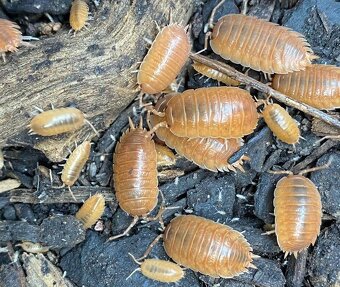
pixel 10 36
pixel 281 123
pixel 208 247
pixel 57 121
pixel 217 112
pixel 208 153
pixel 135 172
pixel 214 74
pixel 297 212
pixel 75 163
pixel 79 14
pixel 161 270
pixel 260 45
pixel 165 59
pixel 317 86
pixel 92 209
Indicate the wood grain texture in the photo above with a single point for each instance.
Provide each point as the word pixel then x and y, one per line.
pixel 91 71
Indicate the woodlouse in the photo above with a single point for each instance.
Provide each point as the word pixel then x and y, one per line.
pixel 78 14
pixel 33 247
pixel 208 247
pixel 317 86
pixel 92 209
pixel 260 45
pixel 135 173
pixel 214 74
pixel 281 123
pixel 159 270
pixel 217 112
pixel 208 153
pixel 297 212
pixel 165 59
pixel 164 155
pixel 10 37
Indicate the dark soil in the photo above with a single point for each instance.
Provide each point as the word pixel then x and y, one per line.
pixel 242 200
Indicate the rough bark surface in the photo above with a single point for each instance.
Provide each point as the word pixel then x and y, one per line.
pixel 91 70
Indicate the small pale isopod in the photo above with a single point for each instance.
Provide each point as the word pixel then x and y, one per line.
pixel 33 247
pixel 260 45
pixel 91 210
pixel 208 247
pixel 160 270
pixel 79 14
pixel 317 86
pixel 10 37
pixel 164 155
pixel 281 123
pixel 165 59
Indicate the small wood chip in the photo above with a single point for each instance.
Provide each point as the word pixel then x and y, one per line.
pixel 9 184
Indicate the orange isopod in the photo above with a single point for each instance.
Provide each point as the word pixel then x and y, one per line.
pixel 208 247
pixel 159 270
pixel 57 121
pixel 79 14
pixel 165 59
pixel 75 163
pixel 208 153
pixel 317 86
pixel 214 74
pixel 217 112
pixel 10 37
pixel 297 212
pixel 260 45
pixel 165 156
pixel 92 209
pixel 281 123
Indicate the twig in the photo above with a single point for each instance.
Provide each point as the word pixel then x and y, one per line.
pixel 226 69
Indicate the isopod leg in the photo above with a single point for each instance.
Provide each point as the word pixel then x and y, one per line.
pixel 152 244
pixel 317 167
pixel 127 230
pixel 160 212
pixel 239 163
pixel 210 23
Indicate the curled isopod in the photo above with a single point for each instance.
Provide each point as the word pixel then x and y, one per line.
pixel 33 247
pixel 297 212
pixel 214 74
pixel 281 123
pixel 10 37
pixel 79 14
pixel 208 247
pixel 217 112
pixel 160 270
pixel 260 45
pixel 164 60
pixel 208 153
pixel 92 209
pixel 317 86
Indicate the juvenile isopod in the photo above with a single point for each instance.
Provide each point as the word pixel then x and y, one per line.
pixel 208 153
pixel 208 247
pixel 217 112
pixel 260 45
pixel 135 173
pixel 10 37
pixel 317 86
pixel 214 74
pixel 165 156
pixel 159 270
pixel 91 210
pixel 33 247
pixel 58 121
pixel 164 60
pixel 79 14
pixel 281 123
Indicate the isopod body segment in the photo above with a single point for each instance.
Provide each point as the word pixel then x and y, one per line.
pixel 135 172
pixel 92 209
pixel 164 60
pixel 10 37
pixel 317 86
pixel 260 45
pixel 75 163
pixel 57 121
pixel 297 209
pixel 281 123
pixel 78 14
pixel 217 112
pixel 208 247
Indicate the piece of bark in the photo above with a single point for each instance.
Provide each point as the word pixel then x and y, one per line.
pixel 92 71
pixel 296 269
pixel 12 275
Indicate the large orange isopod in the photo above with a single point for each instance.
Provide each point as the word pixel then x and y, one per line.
pixel 208 247
pixel 260 45
pixel 317 86
pixel 165 59
pixel 217 112
pixel 297 212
